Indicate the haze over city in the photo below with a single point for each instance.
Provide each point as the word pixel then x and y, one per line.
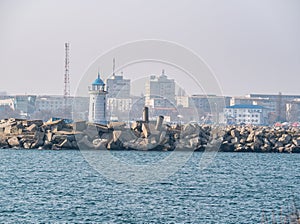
pixel 157 111
pixel 252 46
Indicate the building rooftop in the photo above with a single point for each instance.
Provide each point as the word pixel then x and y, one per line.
pixel 245 106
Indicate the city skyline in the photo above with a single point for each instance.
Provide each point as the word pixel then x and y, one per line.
pixel 142 89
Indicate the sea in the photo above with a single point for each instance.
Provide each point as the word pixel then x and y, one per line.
pixel 41 186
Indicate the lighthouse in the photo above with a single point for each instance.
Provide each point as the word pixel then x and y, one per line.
pixel 97 107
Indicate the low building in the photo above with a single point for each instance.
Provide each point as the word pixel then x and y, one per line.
pixel 25 104
pixel 51 103
pixel 182 101
pixel 70 107
pixel 293 111
pixel 245 114
pixel 238 100
pixel 277 103
pixel 8 103
pixel 115 105
pixel 209 103
pixel 160 102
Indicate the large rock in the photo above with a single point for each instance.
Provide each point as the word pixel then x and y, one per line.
pixel 250 137
pixel 85 144
pixel 13 142
pixel 146 130
pixel 66 144
pixel 234 140
pixel 123 136
pixel 159 123
pixel 162 138
pixel 32 128
pixel 296 142
pixel 28 123
pixel 136 126
pixel 189 129
pixel 235 133
pixel 285 138
pixel 39 139
pixel 194 143
pixel 3 142
pixel 48 136
pixel 278 144
pixel 79 125
pixel 117 125
pixel 114 145
pixel 108 136
pixel 7 130
pixel 27 144
pixel 100 144
pixel 47 144
pixel 91 131
pixel 55 126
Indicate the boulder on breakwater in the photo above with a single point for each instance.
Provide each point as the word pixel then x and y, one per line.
pixel 146 135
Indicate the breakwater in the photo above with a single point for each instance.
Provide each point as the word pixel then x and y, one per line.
pixel 146 135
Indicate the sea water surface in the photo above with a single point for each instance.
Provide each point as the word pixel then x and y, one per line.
pixel 40 186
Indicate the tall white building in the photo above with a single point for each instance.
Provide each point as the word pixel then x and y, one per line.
pixel 118 87
pixel 97 107
pixel 118 97
pixel 159 87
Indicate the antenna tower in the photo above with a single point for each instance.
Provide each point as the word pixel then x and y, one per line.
pixel 114 66
pixel 67 71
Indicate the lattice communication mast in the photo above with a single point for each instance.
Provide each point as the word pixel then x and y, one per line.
pixel 67 71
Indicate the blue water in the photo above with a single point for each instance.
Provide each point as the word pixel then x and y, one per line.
pixel 61 187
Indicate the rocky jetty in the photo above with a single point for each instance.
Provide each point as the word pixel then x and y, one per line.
pixel 261 139
pixel 146 135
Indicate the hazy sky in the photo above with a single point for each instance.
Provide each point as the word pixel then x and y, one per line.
pixel 251 45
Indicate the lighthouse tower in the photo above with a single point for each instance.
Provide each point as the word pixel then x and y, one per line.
pixel 97 108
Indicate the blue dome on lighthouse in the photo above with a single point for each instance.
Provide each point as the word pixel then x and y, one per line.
pixel 98 81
